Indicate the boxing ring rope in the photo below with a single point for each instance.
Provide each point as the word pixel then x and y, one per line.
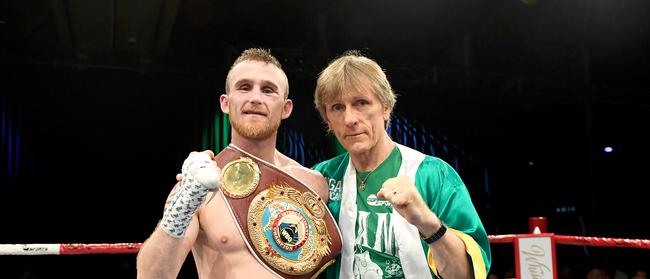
pixel 133 248
pixel 537 225
pixel 69 249
pixel 582 241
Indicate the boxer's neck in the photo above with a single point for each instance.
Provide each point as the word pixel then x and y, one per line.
pixel 263 149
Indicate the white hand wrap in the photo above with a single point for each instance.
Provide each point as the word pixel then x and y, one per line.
pixel 199 176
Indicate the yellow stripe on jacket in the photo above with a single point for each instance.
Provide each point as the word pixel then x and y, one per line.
pixel 473 250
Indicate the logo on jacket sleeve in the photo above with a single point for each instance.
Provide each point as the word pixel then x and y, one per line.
pixel 335 189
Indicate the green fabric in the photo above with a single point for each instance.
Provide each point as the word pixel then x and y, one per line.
pixel 438 183
pixel 335 168
pixel 447 196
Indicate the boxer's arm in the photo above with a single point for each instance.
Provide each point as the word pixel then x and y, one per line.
pixel 321 187
pixel 312 178
pixel 200 175
pixel 161 255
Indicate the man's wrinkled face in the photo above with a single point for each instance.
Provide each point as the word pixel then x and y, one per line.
pixel 357 117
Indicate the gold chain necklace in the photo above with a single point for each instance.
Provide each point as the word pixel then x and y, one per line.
pixel 362 186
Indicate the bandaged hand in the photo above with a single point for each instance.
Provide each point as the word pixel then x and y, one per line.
pixel 200 174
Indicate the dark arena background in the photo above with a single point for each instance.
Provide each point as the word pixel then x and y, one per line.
pixel 542 106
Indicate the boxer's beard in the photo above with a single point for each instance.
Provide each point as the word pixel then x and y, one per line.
pixel 256 130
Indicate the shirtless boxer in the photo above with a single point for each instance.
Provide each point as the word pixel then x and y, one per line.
pixel 256 100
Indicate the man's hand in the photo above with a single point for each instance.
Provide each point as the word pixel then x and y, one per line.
pixel 199 175
pixel 400 192
pixel 203 168
pixel 200 166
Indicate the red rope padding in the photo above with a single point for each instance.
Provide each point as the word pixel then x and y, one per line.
pixel 582 240
pixel 504 238
pixel 602 241
pixel 132 248
pixel 110 248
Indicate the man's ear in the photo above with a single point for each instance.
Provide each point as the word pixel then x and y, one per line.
pixel 287 108
pixel 386 113
pixel 329 124
pixel 223 102
pixel 329 127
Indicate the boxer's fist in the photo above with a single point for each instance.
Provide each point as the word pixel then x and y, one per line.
pixel 200 174
pixel 202 167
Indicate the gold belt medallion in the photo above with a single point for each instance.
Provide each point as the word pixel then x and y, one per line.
pixel 240 178
pixel 287 228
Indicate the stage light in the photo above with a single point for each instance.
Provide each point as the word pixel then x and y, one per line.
pixel 608 149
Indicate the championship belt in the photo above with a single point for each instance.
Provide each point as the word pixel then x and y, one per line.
pixel 285 224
